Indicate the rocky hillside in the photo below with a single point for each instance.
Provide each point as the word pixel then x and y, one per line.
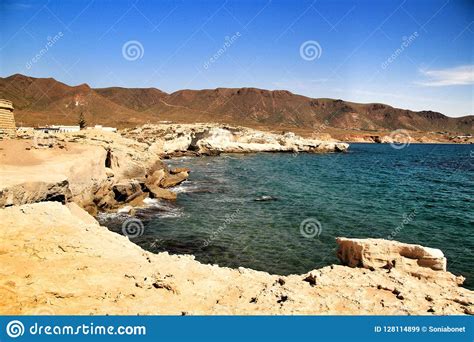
pixel 47 101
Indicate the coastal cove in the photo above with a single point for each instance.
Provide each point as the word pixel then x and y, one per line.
pixel 199 230
pixel 247 210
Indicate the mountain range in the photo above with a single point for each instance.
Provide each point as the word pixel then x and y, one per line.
pixel 43 101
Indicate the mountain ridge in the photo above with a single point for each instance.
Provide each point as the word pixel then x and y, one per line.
pixel 41 101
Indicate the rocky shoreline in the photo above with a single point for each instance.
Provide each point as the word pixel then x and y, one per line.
pixel 58 260
pixel 105 171
pixel 55 252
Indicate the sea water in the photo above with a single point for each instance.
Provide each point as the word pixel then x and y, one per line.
pixel 281 212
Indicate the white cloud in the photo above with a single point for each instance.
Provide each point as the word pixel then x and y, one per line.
pixel 460 75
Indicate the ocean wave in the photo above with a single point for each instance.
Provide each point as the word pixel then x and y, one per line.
pixel 196 187
pixel 154 208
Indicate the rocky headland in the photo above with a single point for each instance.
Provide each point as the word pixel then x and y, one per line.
pixel 57 259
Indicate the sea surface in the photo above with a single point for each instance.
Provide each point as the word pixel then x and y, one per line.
pixel 280 213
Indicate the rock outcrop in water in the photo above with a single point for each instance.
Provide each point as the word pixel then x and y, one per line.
pixel 376 253
pixel 53 259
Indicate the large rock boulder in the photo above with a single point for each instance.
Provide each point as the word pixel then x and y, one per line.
pixel 156 177
pixel 173 180
pixel 180 169
pixel 158 192
pixel 180 143
pixel 377 253
pixel 80 213
pixel 126 191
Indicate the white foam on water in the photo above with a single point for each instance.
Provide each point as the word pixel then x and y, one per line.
pixel 150 201
pixel 104 216
pixel 185 187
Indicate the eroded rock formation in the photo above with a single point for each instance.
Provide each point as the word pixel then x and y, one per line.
pixel 211 139
pixel 420 261
pixel 98 170
pixel 380 253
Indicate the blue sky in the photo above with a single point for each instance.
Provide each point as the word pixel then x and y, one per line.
pixel 409 54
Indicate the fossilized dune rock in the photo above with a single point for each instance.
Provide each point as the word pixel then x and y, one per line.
pixel 28 176
pixel 31 192
pixel 53 259
pixel 215 138
pixel 180 143
pixel 158 192
pixel 97 170
pixel 249 140
pixel 174 179
pixel 385 253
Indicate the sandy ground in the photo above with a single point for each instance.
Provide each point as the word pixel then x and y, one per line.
pixel 20 162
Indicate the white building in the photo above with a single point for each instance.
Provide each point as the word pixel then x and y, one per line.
pixel 58 129
pixel 102 128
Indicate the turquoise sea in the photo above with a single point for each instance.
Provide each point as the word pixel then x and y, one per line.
pixel 280 213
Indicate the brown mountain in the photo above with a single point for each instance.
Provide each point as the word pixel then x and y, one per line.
pixel 137 99
pixel 40 101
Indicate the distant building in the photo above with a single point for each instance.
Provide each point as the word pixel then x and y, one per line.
pixel 7 120
pixel 102 128
pixel 58 129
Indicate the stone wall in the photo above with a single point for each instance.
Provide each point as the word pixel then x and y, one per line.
pixel 7 120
